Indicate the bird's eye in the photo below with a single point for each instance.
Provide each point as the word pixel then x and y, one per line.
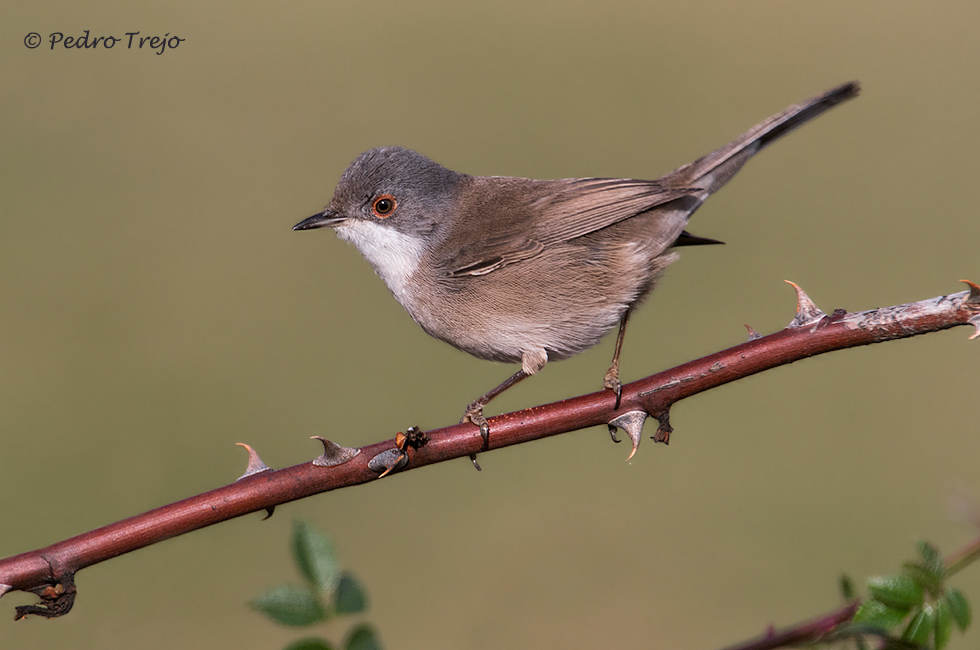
pixel 384 205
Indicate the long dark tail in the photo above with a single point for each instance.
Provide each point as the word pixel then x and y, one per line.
pixel 714 170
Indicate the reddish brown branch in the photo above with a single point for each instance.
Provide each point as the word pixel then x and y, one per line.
pixel 49 571
pixel 833 624
pixel 810 631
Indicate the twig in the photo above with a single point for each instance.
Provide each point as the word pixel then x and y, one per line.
pixel 810 631
pixel 833 624
pixel 49 572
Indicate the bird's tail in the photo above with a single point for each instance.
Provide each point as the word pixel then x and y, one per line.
pixel 714 170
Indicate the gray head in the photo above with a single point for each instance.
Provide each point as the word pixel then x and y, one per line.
pixel 394 205
pixel 394 187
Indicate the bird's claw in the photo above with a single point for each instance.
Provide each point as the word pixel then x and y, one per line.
pixel 474 414
pixel 611 382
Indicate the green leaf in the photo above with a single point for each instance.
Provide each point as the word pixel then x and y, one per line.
pixel 350 597
pixel 930 571
pixel 929 577
pixel 315 557
pixel 919 627
pixel 896 591
pixel 290 605
pixel 876 614
pixel 363 637
pixel 928 553
pixel 944 624
pixel 958 608
pixel 846 587
pixel 310 643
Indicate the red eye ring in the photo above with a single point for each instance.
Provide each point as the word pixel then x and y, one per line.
pixel 383 206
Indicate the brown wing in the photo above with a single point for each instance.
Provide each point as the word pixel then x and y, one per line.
pixel 527 216
pixel 510 230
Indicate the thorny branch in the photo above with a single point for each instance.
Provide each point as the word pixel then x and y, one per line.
pixel 49 572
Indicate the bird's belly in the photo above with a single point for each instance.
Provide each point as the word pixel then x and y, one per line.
pixel 562 305
pixel 504 333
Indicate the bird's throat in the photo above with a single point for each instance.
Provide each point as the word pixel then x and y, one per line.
pixel 394 255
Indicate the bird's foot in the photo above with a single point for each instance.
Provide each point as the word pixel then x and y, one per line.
pixel 611 382
pixel 474 414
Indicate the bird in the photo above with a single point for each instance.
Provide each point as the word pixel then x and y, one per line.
pixel 528 271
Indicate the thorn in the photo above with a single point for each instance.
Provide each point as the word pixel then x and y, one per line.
pixel 388 461
pixel 664 429
pixel 4 589
pixel 632 423
pixel 475 464
pixel 415 438
pixel 974 297
pixel 57 599
pixel 975 321
pixel 806 311
pixel 255 464
pixel 403 457
pixel 333 454
pixel 753 335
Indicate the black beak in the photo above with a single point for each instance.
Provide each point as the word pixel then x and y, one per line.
pixel 325 218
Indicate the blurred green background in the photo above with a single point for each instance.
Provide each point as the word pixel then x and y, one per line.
pixel 156 309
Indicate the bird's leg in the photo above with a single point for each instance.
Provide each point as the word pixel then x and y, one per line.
pixel 474 412
pixel 612 375
pixel 531 362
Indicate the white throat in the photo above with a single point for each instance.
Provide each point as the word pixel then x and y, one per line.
pixel 394 255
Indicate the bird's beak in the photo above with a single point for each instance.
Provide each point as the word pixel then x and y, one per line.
pixel 325 218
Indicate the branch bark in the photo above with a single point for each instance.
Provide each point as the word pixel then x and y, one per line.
pixel 49 572
pixel 807 632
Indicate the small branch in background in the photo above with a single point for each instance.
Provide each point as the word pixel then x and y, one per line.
pixel 914 609
pixel 808 632
pixel 49 572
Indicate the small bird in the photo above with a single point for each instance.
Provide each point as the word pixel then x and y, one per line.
pixel 523 270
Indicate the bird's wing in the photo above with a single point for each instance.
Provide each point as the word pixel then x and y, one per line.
pixel 558 211
pixel 518 218
pixel 590 204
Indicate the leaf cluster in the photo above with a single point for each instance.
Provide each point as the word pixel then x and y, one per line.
pixel 913 609
pixel 327 592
